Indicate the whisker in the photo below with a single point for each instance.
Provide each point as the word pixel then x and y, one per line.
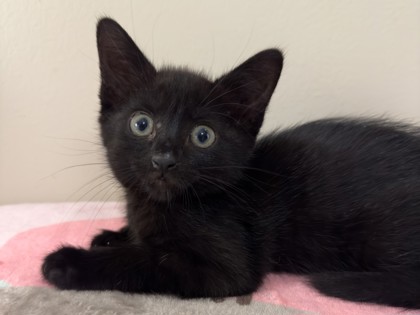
pixel 76 139
pixel 226 188
pixel 88 183
pixel 228 92
pixel 242 167
pixel 199 201
pixel 71 167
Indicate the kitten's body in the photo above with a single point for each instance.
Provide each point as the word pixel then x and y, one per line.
pixel 337 199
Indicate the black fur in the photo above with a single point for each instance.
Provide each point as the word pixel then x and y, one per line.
pixel 337 199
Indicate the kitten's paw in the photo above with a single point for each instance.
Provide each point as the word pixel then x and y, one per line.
pixel 107 239
pixel 62 267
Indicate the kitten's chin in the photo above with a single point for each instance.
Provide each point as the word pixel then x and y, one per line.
pixel 160 190
pixel 162 196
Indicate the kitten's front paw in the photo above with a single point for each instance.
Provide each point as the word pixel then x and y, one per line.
pixel 109 239
pixel 62 267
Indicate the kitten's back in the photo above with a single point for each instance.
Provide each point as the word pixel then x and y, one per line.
pixel 350 193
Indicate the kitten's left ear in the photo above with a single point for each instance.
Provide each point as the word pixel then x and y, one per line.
pixel 251 85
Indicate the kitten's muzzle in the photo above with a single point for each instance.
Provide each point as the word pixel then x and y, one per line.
pixel 164 161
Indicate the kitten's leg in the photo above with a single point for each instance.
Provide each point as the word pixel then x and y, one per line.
pixel 139 269
pixel 401 287
pixel 111 238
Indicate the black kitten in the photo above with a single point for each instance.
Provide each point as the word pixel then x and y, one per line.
pixel 211 210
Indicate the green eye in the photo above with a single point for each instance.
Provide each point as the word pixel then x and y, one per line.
pixel 203 136
pixel 141 124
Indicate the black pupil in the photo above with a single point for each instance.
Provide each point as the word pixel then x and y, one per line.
pixel 142 124
pixel 202 135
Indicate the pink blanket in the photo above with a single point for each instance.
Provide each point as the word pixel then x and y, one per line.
pixel 29 231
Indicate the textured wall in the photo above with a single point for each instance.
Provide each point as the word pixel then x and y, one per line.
pixel 342 57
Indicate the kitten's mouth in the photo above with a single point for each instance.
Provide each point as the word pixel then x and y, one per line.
pixel 161 183
pixel 160 187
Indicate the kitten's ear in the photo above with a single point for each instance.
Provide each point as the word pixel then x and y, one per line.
pixel 251 85
pixel 124 68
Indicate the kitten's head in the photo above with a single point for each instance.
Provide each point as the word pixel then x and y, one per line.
pixel 169 130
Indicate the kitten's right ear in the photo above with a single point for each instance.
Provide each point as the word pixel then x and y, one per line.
pixel 124 68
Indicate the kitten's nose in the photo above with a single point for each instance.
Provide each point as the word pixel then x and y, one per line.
pixel 164 161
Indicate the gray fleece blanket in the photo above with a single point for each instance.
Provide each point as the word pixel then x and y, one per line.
pixel 45 301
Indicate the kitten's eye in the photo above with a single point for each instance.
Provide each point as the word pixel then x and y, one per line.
pixel 141 124
pixel 203 136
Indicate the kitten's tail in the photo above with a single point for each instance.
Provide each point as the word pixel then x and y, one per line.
pixel 399 287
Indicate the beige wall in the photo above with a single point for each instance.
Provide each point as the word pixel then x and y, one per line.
pixel 342 57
